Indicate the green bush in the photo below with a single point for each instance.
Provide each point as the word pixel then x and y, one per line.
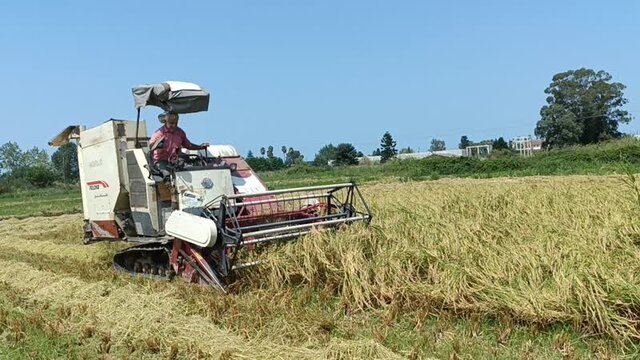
pixel 265 163
pixel 5 186
pixel 29 177
pixel 304 169
pixel 41 176
pixel 503 163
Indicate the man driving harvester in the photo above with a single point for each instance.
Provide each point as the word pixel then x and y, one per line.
pixel 165 143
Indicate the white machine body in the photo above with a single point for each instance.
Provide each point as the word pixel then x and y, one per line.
pixel 197 188
pixel 194 229
pixel 102 152
pixel 117 186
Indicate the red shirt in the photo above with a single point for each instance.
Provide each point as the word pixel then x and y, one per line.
pixel 172 142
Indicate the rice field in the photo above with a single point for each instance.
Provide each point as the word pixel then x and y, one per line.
pixel 514 268
pixel 40 202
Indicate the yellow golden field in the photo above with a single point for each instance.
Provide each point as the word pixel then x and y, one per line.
pixel 451 268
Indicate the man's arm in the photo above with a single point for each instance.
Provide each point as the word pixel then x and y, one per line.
pixel 155 137
pixel 190 146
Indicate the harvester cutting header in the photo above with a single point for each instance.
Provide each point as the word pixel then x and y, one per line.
pixel 197 214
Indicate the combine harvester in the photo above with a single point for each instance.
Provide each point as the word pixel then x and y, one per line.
pixel 199 221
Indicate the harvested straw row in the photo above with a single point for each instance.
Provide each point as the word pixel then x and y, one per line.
pixel 47 248
pixel 63 229
pixel 134 314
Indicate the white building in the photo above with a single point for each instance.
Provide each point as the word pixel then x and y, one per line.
pixel 525 145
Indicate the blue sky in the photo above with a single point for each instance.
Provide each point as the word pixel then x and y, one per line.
pixel 308 73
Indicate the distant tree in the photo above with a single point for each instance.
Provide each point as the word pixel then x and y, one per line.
pixel 437 145
pixel 583 107
pixel 345 154
pixel 13 158
pixel 485 142
pixel 284 150
pixel 407 150
pixel 65 162
pixel 376 152
pixel 387 147
pixel 324 155
pixel 262 151
pixel 500 144
pixel 275 163
pixel 256 163
pixel 250 154
pixel 10 157
pixel 265 164
pixel 560 127
pixel 270 152
pixel 35 157
pixel 359 154
pixel 464 142
pixel 293 157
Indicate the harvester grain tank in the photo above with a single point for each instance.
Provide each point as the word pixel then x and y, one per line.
pixel 208 215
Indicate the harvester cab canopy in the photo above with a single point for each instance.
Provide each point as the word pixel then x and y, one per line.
pixel 172 96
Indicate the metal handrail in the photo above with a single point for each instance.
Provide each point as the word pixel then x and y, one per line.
pixel 303 226
pixel 267 201
pixel 283 191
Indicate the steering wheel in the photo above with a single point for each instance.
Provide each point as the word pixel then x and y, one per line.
pixel 176 161
pixel 191 159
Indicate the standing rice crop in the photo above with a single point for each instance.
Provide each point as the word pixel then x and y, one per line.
pixel 536 250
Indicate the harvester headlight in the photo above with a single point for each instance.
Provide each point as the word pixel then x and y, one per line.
pixel 207 183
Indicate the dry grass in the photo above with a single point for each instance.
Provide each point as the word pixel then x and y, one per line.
pixel 532 252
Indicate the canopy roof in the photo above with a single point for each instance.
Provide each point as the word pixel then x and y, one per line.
pixel 172 96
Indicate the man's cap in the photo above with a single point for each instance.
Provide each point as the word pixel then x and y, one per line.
pixel 163 116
